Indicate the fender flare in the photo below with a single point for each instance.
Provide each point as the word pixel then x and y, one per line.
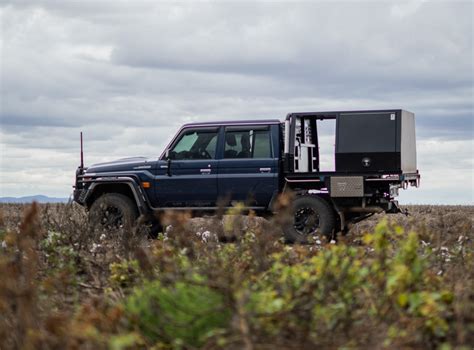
pixel 138 194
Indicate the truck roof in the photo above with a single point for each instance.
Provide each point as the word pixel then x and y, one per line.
pixel 332 114
pixel 235 122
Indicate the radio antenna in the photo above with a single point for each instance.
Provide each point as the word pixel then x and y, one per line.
pixel 82 154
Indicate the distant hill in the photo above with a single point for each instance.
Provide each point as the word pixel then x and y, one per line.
pixel 28 199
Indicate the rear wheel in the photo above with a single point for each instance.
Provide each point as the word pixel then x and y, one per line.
pixel 311 216
pixel 113 211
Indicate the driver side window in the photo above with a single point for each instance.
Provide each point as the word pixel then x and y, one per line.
pixel 195 144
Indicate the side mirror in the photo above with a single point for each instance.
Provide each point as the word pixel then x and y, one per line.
pixel 167 154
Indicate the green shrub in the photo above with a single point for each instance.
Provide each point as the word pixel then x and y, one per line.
pixel 124 274
pixel 386 283
pixel 180 313
pixel 316 296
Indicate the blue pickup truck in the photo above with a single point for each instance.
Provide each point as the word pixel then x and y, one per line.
pixel 212 165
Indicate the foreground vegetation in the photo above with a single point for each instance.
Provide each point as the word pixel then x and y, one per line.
pixel 392 282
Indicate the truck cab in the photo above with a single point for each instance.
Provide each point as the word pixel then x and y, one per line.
pixel 207 165
pixel 216 165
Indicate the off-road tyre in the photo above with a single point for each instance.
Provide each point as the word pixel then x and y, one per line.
pixel 310 215
pixel 113 211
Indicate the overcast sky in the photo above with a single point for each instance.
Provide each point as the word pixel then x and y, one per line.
pixel 129 74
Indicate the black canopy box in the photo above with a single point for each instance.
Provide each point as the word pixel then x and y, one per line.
pixel 376 141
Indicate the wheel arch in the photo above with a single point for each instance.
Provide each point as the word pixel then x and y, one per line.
pixel 125 187
pixel 310 191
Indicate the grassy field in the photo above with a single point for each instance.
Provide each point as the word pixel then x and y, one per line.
pixel 394 282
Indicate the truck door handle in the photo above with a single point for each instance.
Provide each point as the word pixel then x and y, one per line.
pixel 265 170
pixel 205 171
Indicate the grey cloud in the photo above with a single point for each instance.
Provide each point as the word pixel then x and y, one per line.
pixel 307 42
pixel 448 126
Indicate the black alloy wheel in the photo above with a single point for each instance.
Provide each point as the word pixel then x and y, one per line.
pixel 113 211
pixel 310 215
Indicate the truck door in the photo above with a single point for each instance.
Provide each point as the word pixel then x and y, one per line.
pixel 191 180
pixel 248 170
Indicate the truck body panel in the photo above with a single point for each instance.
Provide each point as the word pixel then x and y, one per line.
pixel 192 183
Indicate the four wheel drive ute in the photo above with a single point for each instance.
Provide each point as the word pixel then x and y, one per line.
pixel 214 164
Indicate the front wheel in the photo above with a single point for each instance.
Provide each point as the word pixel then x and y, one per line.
pixel 113 211
pixel 311 215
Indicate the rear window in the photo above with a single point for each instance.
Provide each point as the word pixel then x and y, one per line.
pixel 247 144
